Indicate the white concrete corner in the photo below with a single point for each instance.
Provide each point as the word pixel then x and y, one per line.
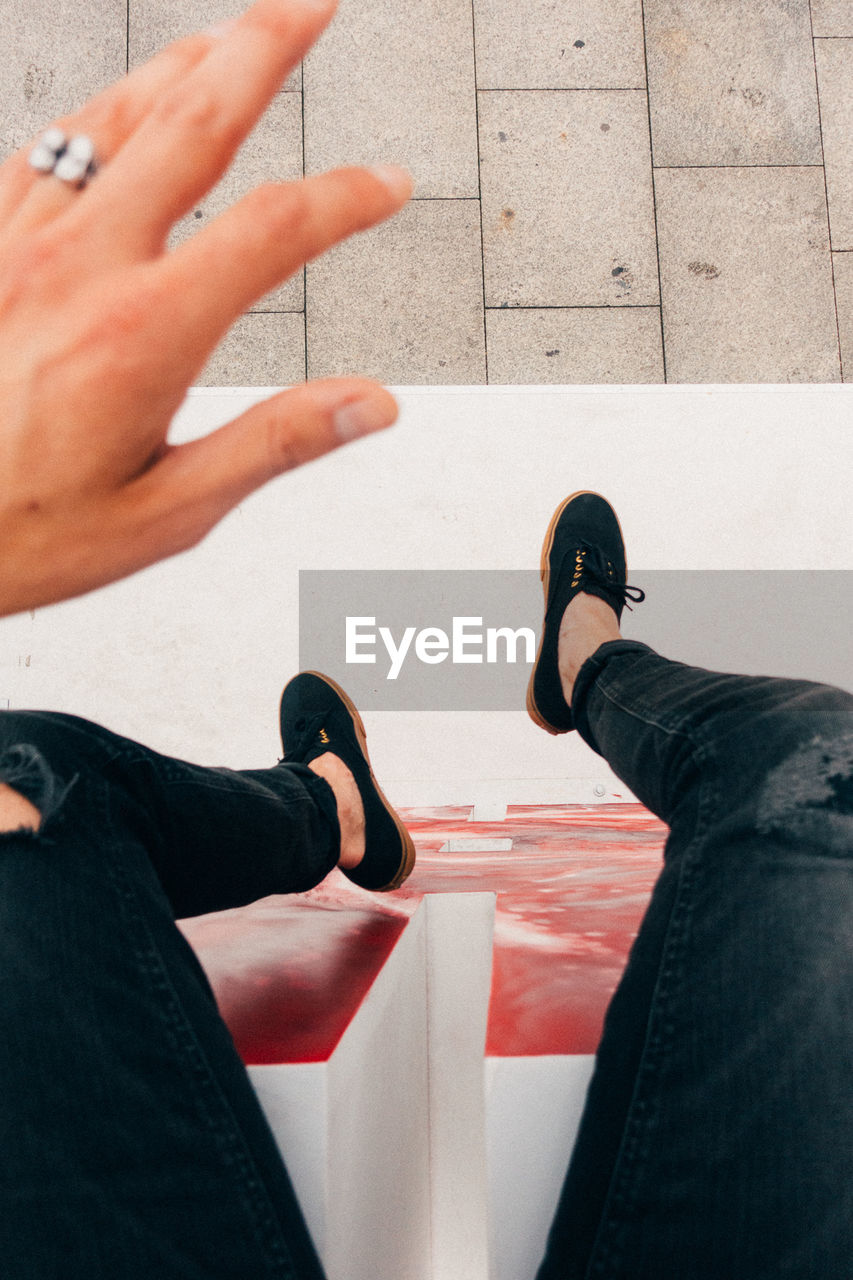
pixel 460 928
pixel 385 1142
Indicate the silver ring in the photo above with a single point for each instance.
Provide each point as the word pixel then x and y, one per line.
pixel 72 160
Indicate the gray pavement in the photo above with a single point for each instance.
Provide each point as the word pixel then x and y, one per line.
pixel 606 190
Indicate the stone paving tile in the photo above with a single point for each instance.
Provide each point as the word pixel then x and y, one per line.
pixel 745 276
pixel 259 351
pixel 566 183
pixel 53 60
pixel 832 17
pixel 567 212
pixel 835 77
pixel 402 302
pixel 582 44
pixel 588 344
pixel 732 84
pixel 154 23
pixel 386 85
pixel 273 152
pixel 843 265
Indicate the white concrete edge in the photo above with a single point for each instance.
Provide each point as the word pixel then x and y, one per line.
pixel 533 1108
pixel 294 1097
pixel 460 931
pixel 385 1142
pixel 378 1188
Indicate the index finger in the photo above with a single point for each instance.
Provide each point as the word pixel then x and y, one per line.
pixel 110 116
pixel 191 135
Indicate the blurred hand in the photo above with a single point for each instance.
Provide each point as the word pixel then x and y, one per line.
pixel 102 330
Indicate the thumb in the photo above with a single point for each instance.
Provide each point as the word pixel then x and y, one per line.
pixel 193 485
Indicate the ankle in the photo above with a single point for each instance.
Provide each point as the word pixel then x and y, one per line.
pixel 587 623
pixel 16 811
pixel 350 808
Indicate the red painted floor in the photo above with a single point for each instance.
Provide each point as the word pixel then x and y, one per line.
pixel 571 893
pixel 290 972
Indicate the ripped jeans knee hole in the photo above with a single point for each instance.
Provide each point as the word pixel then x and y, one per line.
pixel 31 794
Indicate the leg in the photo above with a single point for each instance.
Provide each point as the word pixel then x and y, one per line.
pixel 717 1139
pixel 134 1143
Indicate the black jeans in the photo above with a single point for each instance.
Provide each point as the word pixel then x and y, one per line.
pixel 717 1142
pixel 717 1139
pixel 133 1145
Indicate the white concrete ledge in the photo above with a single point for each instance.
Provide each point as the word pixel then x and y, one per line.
pixel 386 1141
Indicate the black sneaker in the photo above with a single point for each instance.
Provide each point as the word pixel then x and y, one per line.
pixel 317 716
pixel 583 551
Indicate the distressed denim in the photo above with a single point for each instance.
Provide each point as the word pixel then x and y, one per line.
pixel 132 1143
pixel 717 1141
pixel 717 1138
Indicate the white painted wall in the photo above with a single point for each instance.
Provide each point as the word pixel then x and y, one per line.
pixel 190 656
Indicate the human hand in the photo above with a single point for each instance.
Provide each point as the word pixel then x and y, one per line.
pixel 102 330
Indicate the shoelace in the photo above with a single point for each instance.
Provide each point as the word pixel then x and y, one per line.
pixel 592 565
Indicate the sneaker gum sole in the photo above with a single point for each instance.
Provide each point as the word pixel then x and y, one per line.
pixel 408 862
pixel 545 575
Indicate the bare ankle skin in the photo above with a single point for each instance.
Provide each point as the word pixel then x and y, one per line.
pixel 350 809
pixel 587 623
pixel 16 811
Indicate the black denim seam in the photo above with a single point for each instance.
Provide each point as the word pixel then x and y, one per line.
pixel 605 1258
pixel 269 1237
pixel 702 749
